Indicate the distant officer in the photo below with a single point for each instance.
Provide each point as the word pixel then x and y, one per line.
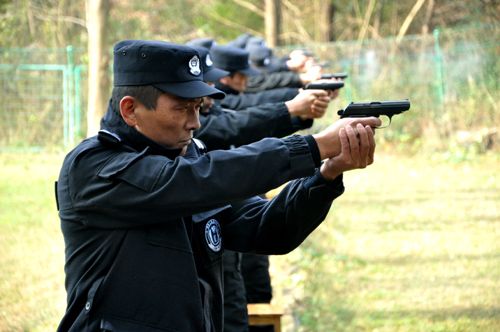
pixel 236 61
pixel 146 215
pixel 223 129
pixel 261 58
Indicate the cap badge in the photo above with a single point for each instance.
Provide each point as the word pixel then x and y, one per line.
pixel 194 66
pixel 213 235
pixel 208 61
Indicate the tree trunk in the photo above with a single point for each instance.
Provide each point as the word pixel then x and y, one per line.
pixel 325 23
pixel 98 76
pixel 273 22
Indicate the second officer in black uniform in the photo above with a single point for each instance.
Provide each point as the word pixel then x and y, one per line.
pixel 236 61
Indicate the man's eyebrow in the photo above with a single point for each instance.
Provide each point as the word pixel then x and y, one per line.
pixel 187 100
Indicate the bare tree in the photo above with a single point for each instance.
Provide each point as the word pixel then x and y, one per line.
pixel 324 29
pixel 273 22
pixel 409 18
pixel 98 77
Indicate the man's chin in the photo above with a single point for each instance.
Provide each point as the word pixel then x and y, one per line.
pixel 184 143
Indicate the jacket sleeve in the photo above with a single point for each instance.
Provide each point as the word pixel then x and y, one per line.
pixel 245 100
pixel 280 225
pixel 220 128
pixel 269 81
pixel 112 189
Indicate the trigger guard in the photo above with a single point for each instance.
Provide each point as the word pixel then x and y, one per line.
pixel 382 126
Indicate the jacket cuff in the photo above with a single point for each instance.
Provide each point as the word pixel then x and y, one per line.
pixel 298 123
pixel 319 186
pixel 313 146
pixel 300 153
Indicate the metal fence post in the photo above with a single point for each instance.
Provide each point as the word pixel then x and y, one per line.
pixel 70 98
pixel 78 100
pixel 439 68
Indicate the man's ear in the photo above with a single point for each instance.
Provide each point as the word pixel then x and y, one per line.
pixel 127 110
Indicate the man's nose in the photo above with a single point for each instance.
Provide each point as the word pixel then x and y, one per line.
pixel 193 122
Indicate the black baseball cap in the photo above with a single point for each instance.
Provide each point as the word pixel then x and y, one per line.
pixel 260 56
pixel 171 68
pixel 240 41
pixel 210 72
pixel 255 41
pixel 232 59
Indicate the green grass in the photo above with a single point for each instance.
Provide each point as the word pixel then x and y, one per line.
pixel 413 245
pixel 32 296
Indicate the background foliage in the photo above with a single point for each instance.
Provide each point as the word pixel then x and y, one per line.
pixel 58 23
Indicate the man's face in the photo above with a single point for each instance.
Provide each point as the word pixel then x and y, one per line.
pixel 236 81
pixel 171 123
pixel 208 102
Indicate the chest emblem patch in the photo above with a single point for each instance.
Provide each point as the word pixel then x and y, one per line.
pixel 213 235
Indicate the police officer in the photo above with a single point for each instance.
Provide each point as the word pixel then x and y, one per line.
pixel 223 129
pixel 146 215
pixel 268 78
pixel 236 61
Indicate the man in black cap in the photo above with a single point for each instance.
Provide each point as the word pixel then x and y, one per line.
pixel 223 129
pixel 246 277
pixel 261 58
pixel 146 215
pixel 236 61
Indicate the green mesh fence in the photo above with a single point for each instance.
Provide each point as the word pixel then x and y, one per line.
pixel 450 76
pixel 42 96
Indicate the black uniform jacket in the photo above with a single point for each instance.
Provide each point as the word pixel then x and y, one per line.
pixel 223 129
pixel 267 81
pixel 239 101
pixel 145 228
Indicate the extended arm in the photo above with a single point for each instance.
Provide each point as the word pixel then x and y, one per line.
pixel 281 224
pixel 245 100
pixel 220 128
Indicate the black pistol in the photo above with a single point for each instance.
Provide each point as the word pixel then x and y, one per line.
pixel 375 108
pixel 334 75
pixel 324 85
